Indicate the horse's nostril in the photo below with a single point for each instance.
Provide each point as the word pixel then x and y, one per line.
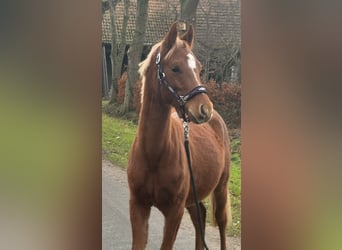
pixel 204 110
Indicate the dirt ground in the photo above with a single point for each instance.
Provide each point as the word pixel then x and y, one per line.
pixel 116 224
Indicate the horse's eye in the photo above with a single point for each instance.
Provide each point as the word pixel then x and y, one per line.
pixel 175 69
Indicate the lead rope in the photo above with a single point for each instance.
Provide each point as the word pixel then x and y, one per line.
pixel 193 187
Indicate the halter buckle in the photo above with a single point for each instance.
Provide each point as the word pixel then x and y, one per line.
pixel 158 58
pixel 186 129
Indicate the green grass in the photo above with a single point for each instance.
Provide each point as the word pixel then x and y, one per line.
pixel 117 137
pixel 235 191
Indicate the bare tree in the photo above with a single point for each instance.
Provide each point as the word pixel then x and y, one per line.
pixel 188 10
pixel 118 46
pixel 204 48
pixel 105 6
pixel 223 56
pixel 228 60
pixel 134 53
pixel 171 13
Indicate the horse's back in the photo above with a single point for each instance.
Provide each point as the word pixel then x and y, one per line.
pixel 220 129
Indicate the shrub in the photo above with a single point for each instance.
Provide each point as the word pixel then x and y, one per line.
pixel 226 98
pixel 137 96
pixel 121 89
pixel 135 105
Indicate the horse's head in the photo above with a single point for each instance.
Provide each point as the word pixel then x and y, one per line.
pixel 179 71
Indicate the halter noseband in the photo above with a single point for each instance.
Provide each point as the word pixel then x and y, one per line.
pixel 181 99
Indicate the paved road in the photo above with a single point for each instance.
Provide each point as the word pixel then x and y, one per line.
pixel 116 231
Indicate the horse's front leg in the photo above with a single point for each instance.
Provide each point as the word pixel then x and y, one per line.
pixel 139 214
pixel 173 218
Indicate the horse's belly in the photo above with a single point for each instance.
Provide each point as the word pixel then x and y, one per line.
pixel 207 169
pixel 203 190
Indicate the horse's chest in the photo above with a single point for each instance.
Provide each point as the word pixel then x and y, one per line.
pixel 162 190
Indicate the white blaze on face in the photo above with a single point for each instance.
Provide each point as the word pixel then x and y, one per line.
pixel 192 64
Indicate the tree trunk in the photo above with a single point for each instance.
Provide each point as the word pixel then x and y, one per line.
pixel 118 47
pixel 206 50
pixel 123 42
pixel 134 53
pixel 188 11
pixel 114 85
pixel 105 6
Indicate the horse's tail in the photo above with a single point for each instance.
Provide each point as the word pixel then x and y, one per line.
pixel 228 210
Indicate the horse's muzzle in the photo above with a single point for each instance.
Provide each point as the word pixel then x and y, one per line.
pixel 201 114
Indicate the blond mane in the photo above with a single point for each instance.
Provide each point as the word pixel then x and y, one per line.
pixel 144 64
pixel 143 67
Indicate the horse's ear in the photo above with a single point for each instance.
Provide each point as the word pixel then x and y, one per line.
pixel 170 37
pixel 189 36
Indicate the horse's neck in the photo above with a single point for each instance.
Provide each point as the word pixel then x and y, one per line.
pixel 154 123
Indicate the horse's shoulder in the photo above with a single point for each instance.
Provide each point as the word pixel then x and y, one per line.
pixel 176 121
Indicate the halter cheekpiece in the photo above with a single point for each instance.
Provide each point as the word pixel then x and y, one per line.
pixel 181 99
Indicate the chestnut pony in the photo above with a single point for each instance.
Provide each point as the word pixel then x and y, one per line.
pixel 158 173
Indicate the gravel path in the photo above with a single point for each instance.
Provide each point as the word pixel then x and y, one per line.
pixel 116 230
